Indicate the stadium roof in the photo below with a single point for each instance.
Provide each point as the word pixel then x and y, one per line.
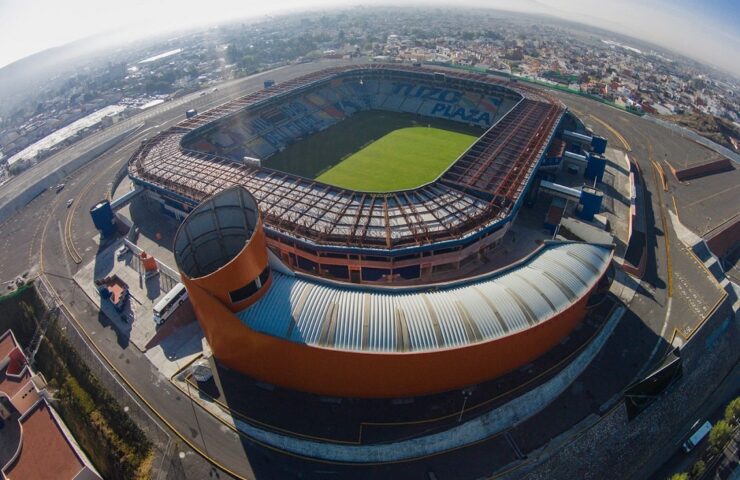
pixel 494 305
pixel 477 192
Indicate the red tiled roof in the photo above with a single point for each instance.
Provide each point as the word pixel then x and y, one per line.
pixel 7 344
pixel 17 362
pixel 45 452
pixel 10 385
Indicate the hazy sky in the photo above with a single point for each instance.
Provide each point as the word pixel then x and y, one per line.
pixel 706 30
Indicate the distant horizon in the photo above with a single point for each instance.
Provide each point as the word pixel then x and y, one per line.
pixel 721 46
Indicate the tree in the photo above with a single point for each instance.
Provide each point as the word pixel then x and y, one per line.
pixel 247 61
pixel 680 476
pixel 18 167
pixel 719 436
pixel 168 76
pixel 232 53
pixel 493 35
pixel 732 412
pixel 157 87
pixel 698 469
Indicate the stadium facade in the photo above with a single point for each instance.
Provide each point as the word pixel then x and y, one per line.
pixel 337 292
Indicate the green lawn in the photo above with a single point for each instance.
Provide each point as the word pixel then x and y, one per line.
pixel 402 159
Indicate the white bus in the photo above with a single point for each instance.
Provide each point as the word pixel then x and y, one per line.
pixel 164 308
pixel 697 436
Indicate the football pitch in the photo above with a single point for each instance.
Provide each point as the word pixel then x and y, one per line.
pixel 377 151
pixel 400 160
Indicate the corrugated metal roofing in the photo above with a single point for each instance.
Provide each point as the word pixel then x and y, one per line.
pixel 383 320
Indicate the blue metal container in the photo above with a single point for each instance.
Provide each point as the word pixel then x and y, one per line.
pixel 598 144
pixel 595 167
pixel 590 203
pixel 103 218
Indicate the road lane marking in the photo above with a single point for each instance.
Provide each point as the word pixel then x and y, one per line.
pixel 669 263
pixel 61 237
pixel 69 241
pixel 619 136
pixel 715 194
pixel 657 342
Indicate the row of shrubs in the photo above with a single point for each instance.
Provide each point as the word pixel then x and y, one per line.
pixel 19 312
pixel 117 446
pixel 720 435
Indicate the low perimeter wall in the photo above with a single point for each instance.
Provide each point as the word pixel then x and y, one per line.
pixel 718 166
pixel 724 239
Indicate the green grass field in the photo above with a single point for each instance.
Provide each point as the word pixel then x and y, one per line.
pixel 402 159
pixel 377 151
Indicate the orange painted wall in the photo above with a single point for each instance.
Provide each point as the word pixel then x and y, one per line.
pixel 241 270
pixel 358 374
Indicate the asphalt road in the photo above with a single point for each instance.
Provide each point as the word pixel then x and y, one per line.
pixel 676 292
pixel 674 280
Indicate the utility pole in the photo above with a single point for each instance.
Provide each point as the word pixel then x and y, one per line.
pixel 467 393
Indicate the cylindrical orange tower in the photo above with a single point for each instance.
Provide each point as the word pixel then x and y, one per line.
pixel 220 248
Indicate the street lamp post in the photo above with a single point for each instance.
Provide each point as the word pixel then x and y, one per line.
pixel 466 393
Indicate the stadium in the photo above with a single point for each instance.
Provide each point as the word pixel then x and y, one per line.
pixel 336 228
